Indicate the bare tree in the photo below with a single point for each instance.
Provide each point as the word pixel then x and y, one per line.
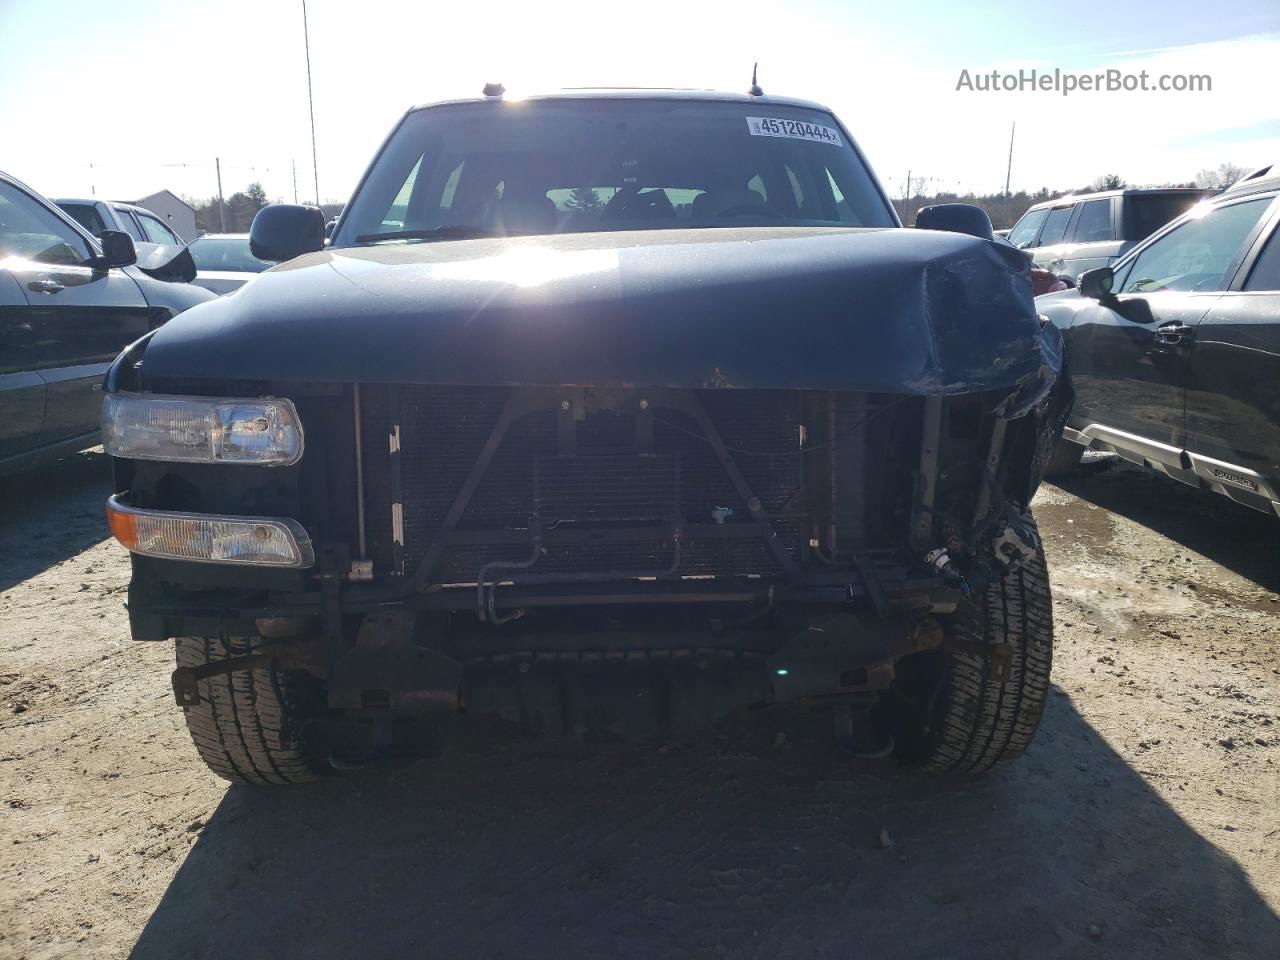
pixel 1221 178
pixel 1108 181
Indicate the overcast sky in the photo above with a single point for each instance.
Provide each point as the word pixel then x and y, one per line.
pixel 125 97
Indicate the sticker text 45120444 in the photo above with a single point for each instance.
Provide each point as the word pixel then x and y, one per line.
pixel 792 129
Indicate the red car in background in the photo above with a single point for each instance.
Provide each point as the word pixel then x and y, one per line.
pixel 1042 281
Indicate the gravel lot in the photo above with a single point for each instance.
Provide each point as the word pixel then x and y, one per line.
pixel 1145 821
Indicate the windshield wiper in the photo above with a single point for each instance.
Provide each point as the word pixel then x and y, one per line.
pixel 457 232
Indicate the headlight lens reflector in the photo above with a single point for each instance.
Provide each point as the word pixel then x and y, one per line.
pixel 143 426
pixel 209 538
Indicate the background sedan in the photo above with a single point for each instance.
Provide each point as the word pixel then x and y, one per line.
pixel 223 261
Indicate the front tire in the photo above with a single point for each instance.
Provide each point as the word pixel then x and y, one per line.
pixel 976 704
pixel 247 726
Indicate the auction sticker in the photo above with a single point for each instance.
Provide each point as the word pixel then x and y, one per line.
pixel 792 130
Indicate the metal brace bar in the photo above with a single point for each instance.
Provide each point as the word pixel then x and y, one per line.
pixel 394 403
pixel 186 690
pixel 996 447
pixel 518 403
pixel 692 406
pixel 931 431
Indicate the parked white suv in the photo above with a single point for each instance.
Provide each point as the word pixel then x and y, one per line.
pixel 1076 233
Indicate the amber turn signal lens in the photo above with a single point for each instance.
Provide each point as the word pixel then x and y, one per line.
pixel 124 526
pixel 210 538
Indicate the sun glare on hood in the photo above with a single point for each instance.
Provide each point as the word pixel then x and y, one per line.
pixel 529 266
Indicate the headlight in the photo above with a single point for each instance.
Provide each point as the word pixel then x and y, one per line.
pixel 209 538
pixel 146 426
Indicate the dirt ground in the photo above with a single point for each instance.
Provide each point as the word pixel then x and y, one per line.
pixel 1144 822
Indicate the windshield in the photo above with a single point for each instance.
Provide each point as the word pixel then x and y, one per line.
pixel 1025 230
pixel 579 165
pixel 86 215
pixel 225 253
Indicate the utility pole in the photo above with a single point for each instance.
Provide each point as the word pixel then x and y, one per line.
pixel 294 164
pixel 311 106
pixel 222 204
pixel 906 201
pixel 1009 170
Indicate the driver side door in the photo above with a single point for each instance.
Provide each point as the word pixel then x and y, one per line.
pixel 1129 354
pixel 77 317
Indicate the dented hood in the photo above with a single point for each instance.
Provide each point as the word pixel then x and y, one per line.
pixel 899 311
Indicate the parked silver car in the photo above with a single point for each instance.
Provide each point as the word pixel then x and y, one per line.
pixel 1076 233
pixel 223 261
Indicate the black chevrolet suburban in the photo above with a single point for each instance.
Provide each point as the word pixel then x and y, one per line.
pixel 608 413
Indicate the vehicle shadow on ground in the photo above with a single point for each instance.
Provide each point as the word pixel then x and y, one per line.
pixel 752 845
pixel 52 513
pixel 1244 541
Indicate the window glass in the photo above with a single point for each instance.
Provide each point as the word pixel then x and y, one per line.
pixel 129 225
pixel 225 253
pixel 1025 230
pixel 1265 274
pixel 85 214
pixel 450 187
pixel 396 213
pixel 1094 224
pixel 29 230
pixel 1055 225
pixel 156 231
pixel 544 167
pixel 1148 212
pixel 843 213
pixel 797 191
pixel 1196 254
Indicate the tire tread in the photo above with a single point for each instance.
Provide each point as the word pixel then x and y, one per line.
pixel 985 720
pixel 241 727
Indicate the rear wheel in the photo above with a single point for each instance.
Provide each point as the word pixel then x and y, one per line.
pixel 1064 459
pixel 976 704
pixel 247 726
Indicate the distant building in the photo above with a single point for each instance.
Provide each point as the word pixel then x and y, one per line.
pixel 173 210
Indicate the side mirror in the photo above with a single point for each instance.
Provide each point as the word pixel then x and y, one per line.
pixel 283 231
pixel 956 218
pixel 1096 284
pixel 117 250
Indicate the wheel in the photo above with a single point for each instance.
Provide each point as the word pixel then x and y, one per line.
pixel 247 726
pixel 1064 458
pixel 976 703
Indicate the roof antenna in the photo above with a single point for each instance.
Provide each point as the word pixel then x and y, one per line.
pixel 755 90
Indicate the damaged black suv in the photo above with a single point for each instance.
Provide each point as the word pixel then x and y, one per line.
pixel 608 413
